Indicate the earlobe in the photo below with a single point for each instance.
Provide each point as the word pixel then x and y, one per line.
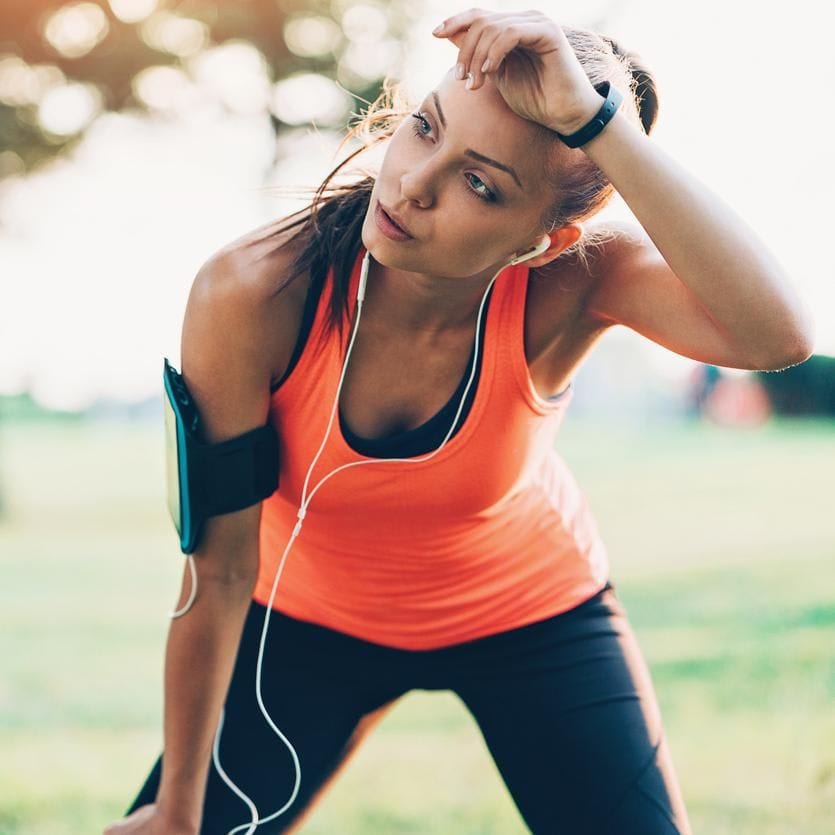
pixel 571 232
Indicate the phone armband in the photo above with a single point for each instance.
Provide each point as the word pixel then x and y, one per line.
pixel 205 479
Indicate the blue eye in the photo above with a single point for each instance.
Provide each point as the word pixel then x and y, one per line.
pixel 489 196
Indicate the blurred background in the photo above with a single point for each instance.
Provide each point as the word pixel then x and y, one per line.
pixel 139 136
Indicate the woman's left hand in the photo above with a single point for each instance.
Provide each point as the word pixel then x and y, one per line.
pixel 542 80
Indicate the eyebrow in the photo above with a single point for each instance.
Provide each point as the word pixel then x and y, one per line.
pixel 475 154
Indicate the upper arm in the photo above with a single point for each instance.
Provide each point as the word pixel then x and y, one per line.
pixel 227 367
pixel 635 287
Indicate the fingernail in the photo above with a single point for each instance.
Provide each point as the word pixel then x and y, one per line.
pixel 459 71
pixel 485 66
pixel 438 28
pixel 470 80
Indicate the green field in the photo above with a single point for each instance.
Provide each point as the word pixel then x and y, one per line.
pixel 722 545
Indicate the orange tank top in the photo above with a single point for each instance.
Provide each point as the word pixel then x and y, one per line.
pixel 491 533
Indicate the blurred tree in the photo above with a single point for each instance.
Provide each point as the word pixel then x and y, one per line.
pixel 63 64
pixel 804 389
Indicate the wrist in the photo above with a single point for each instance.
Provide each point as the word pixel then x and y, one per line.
pixel 178 818
pixel 580 116
pixel 178 826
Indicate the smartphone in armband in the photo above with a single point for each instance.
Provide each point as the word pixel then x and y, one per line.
pixel 206 479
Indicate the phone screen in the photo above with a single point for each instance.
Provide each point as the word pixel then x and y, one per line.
pixel 172 467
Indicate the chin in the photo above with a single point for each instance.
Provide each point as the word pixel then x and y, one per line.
pixel 380 248
pixel 370 237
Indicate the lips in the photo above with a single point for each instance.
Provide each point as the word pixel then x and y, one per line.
pixel 396 220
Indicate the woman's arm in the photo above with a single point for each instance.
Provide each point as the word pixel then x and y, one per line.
pixel 199 658
pixel 227 366
pixel 705 284
pixel 736 301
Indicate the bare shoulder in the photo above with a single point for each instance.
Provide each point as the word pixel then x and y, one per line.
pixel 253 264
pixel 621 246
pixel 608 242
pixel 562 287
pixel 560 327
pixel 586 271
pixel 236 325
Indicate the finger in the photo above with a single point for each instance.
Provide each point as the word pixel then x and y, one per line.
pixel 507 39
pixel 459 21
pixel 470 46
pixel 463 30
pixel 476 41
pixel 126 824
pixel 497 39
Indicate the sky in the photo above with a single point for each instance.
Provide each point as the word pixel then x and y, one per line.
pixel 98 252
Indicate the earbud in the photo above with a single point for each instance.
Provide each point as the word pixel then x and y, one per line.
pixel 537 250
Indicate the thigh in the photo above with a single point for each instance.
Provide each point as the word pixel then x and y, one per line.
pixel 568 712
pixel 324 690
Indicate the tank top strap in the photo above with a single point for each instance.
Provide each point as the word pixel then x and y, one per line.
pixel 321 314
pixel 509 335
pixel 514 347
pixel 353 287
pixel 514 281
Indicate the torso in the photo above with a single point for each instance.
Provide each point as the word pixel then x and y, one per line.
pixel 397 381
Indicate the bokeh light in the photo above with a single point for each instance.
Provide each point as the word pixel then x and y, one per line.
pixel 132 11
pixel 308 97
pixel 68 109
pixel 164 88
pixel 75 29
pixel 24 84
pixel 181 36
pixel 238 74
pixel 310 36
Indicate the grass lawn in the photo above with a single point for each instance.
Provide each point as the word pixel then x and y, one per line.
pixel 722 546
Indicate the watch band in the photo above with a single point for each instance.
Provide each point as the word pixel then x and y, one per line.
pixel 599 121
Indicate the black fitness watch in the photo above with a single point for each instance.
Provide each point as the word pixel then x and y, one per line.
pixel 613 98
pixel 203 479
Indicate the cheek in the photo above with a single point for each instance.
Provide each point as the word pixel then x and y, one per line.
pixel 392 164
pixel 402 144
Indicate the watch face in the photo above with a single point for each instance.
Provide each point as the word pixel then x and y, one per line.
pixel 172 465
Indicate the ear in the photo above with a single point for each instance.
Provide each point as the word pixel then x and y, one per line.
pixel 561 239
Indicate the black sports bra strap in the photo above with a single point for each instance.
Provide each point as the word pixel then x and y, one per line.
pixel 311 301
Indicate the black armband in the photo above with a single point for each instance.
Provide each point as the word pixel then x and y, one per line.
pixel 209 479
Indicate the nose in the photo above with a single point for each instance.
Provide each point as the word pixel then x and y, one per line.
pixel 417 184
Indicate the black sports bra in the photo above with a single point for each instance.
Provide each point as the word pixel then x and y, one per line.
pixel 411 442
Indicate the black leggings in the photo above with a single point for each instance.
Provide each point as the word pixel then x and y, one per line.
pixel 566 707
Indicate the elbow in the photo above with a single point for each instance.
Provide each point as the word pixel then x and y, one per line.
pixel 790 352
pixel 229 586
pixel 792 344
pixel 228 553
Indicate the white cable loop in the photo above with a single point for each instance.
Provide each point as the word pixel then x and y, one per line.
pixel 177 613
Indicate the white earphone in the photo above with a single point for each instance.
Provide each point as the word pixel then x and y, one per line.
pixel 301 513
pixel 537 250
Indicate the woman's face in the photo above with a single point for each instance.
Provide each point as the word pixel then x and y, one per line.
pixel 465 214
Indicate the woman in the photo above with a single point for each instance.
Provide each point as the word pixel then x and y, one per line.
pixel 475 566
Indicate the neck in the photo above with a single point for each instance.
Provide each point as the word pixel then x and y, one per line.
pixel 419 302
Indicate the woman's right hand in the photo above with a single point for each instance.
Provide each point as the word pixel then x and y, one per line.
pixel 147 820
